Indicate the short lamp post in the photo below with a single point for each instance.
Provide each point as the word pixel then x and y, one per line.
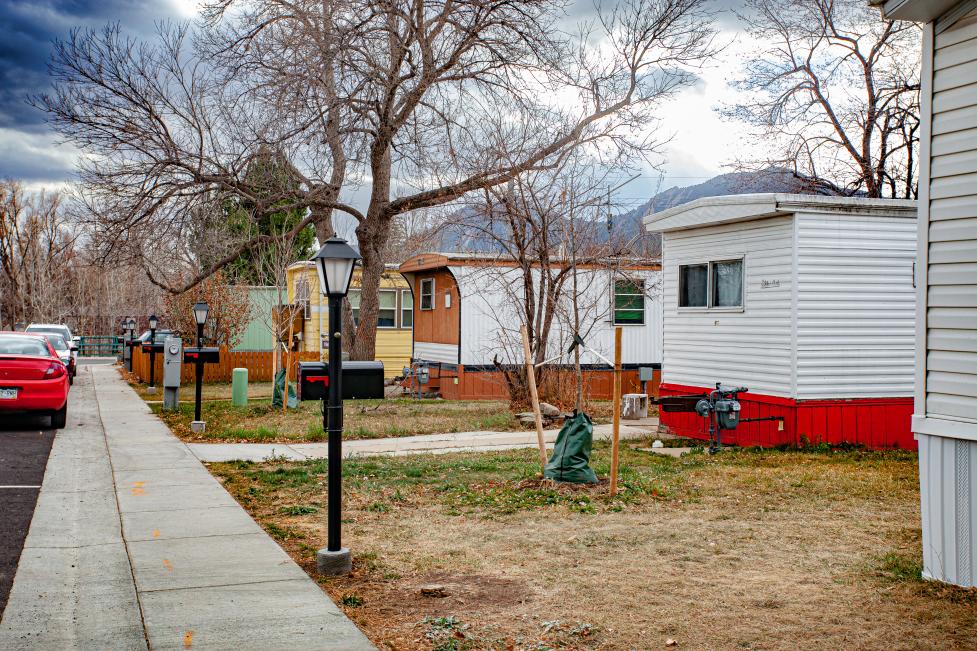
pixel 130 327
pixel 153 322
pixel 335 262
pixel 200 312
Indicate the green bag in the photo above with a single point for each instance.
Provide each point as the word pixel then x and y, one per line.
pixel 279 391
pixel 571 455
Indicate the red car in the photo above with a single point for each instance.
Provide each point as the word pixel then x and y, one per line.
pixel 32 377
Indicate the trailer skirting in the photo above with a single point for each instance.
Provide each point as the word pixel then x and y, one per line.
pixel 872 422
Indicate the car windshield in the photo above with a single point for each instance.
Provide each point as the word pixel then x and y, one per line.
pixel 44 330
pixel 13 345
pixel 58 342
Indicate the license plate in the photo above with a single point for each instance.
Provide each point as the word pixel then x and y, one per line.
pixel 8 394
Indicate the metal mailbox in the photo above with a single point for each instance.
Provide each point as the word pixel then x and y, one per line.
pixel 205 355
pixel 360 380
pixel 155 347
pixel 313 381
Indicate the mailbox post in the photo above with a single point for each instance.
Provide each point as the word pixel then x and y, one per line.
pixel 335 262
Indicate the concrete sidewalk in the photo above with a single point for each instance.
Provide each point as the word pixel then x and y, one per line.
pixel 426 444
pixel 134 545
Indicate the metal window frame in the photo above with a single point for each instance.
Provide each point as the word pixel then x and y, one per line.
pixel 432 295
pixel 614 295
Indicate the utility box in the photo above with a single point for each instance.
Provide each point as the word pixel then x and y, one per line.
pixel 313 381
pixel 204 354
pixel 172 363
pixel 360 380
pixel 634 406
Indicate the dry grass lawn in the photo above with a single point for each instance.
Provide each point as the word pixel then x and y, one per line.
pixel 745 550
pixel 259 422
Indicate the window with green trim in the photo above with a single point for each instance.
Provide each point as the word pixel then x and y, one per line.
pixel 629 302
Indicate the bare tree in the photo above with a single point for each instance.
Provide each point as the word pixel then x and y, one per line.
pixel 405 96
pixel 37 256
pixel 835 95
pixel 555 268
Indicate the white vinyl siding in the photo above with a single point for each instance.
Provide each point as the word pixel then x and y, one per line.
pixel 856 306
pixel 490 323
pixel 748 346
pixel 951 300
pixel 432 352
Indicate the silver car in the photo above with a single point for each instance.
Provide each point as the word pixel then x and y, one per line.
pixel 58 329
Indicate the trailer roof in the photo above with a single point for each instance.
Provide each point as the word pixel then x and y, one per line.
pixel 438 260
pixel 745 207
pixel 923 11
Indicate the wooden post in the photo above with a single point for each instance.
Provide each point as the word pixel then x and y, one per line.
pixel 288 355
pixel 616 427
pixel 534 395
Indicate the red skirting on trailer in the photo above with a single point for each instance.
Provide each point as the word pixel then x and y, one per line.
pixel 873 422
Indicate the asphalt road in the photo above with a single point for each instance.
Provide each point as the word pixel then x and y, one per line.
pixel 25 443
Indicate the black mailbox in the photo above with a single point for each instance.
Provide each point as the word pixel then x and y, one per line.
pixel 205 355
pixel 360 380
pixel 313 381
pixel 154 347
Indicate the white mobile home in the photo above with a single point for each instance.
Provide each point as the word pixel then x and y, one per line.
pixel 467 317
pixel 808 301
pixel 945 414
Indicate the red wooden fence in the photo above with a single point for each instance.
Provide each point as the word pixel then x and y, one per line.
pixel 258 363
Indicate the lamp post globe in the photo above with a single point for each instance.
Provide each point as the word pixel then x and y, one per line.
pixel 335 262
pixel 200 312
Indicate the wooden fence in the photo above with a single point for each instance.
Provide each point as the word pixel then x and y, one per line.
pixel 258 363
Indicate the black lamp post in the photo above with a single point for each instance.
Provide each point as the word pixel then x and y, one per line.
pixel 200 312
pixel 335 262
pixel 130 327
pixel 153 322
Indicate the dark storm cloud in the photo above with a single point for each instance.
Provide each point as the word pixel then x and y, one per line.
pixel 27 31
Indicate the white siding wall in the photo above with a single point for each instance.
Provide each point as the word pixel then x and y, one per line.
pixel 951 341
pixel 856 306
pixel 948 492
pixel 490 322
pixel 751 347
pixel 431 352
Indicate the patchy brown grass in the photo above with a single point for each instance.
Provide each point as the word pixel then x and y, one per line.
pixel 259 422
pixel 748 549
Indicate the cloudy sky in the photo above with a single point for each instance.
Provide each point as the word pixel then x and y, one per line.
pixel 30 151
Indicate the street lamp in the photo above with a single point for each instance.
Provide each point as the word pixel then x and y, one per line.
pixel 153 322
pixel 200 312
pixel 129 325
pixel 335 262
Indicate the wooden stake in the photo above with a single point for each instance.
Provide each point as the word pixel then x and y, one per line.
pixel 616 427
pixel 288 355
pixel 534 395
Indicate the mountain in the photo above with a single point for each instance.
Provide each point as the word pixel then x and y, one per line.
pixel 624 227
pixel 732 183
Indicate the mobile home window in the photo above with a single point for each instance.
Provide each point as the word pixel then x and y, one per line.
pixel 727 283
pixel 427 294
pixel 387 312
pixel 302 297
pixel 406 309
pixel 629 302
pixel 693 282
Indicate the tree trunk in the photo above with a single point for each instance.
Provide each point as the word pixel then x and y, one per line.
pixel 372 234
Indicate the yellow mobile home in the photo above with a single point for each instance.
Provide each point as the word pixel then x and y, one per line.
pixel 395 320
